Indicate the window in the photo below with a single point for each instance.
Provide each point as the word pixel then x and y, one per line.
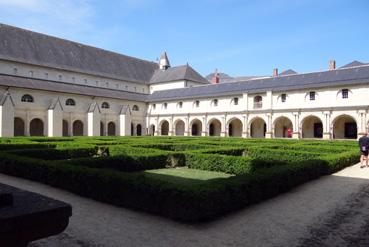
pixel 30 73
pixel 258 102
pixel 154 106
pixel 97 83
pixel 135 89
pixel 126 87
pixel 107 84
pixel 70 102
pixel 46 75
pixel 105 105
pixel 27 98
pixel 312 95
pixel 15 71
pixel 283 97
pixel 135 108
pixel 73 79
pixel 85 80
pixel 235 101
pixel 215 102
pixel 60 77
pixel 344 93
pixel 197 103
pixel 165 105
pixel 180 104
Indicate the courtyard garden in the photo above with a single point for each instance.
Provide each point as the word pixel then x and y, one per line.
pixel 183 178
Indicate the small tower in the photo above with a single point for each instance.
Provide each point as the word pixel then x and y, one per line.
pixel 164 61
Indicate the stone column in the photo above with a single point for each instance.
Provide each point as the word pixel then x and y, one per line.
pixel 327 130
pixel 187 127
pixel 7 116
pixel 296 131
pixel 245 132
pixel 269 132
pixel 361 125
pixel 171 127
pixel 224 127
pixel 204 126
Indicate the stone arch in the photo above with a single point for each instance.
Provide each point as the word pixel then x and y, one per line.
pixel 311 127
pixel 283 127
pixel 179 127
pixel 215 127
pixel 164 127
pixel 344 127
pixel 77 128
pixel 65 128
pixel 111 129
pixel 235 127
pixel 36 127
pixel 19 127
pixel 139 129
pixel 257 127
pixel 196 127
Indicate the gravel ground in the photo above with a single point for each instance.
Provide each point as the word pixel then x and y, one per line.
pixel 330 211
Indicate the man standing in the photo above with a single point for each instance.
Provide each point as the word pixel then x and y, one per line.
pixel 364 146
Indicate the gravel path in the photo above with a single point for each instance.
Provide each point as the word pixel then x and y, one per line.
pixel 330 211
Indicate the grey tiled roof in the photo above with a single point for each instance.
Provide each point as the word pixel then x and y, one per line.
pixel 288 72
pixel 339 77
pixel 184 72
pixel 38 84
pixel 30 47
pixel 353 64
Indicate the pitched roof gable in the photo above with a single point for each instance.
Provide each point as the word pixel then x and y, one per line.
pixel 184 72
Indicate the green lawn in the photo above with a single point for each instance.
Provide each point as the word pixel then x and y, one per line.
pixel 185 176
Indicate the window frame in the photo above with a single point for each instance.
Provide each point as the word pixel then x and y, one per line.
pixel 27 98
pixel 105 105
pixel 345 93
pixel 312 95
pixel 283 97
pixel 70 102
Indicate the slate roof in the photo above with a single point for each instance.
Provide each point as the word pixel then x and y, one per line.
pixel 222 76
pixel 184 72
pixel 339 77
pixel 353 64
pixel 25 46
pixel 288 72
pixel 38 84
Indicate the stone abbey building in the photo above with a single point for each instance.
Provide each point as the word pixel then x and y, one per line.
pixel 54 87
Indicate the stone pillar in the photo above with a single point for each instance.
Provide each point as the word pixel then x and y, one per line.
pixel 296 132
pixel 245 132
pixel 361 125
pixel 171 127
pixel 7 116
pixel 156 126
pixel 93 124
pixel 54 123
pixel 26 124
pixel 124 125
pixel 205 126
pixel 187 126
pixel 224 127
pixel 269 132
pixel 327 131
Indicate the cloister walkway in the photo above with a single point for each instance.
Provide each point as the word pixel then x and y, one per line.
pixel 330 211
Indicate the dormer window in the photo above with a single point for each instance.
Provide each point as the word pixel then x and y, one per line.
pixel 344 93
pixel 312 95
pixel 27 98
pixel 283 97
pixel 70 102
pixel 235 101
pixel 105 105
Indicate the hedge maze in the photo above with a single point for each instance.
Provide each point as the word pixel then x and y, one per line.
pixel 187 179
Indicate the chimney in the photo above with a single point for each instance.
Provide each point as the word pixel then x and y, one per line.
pixel 275 72
pixel 215 79
pixel 332 64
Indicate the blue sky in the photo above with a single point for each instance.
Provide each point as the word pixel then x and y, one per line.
pixel 237 37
